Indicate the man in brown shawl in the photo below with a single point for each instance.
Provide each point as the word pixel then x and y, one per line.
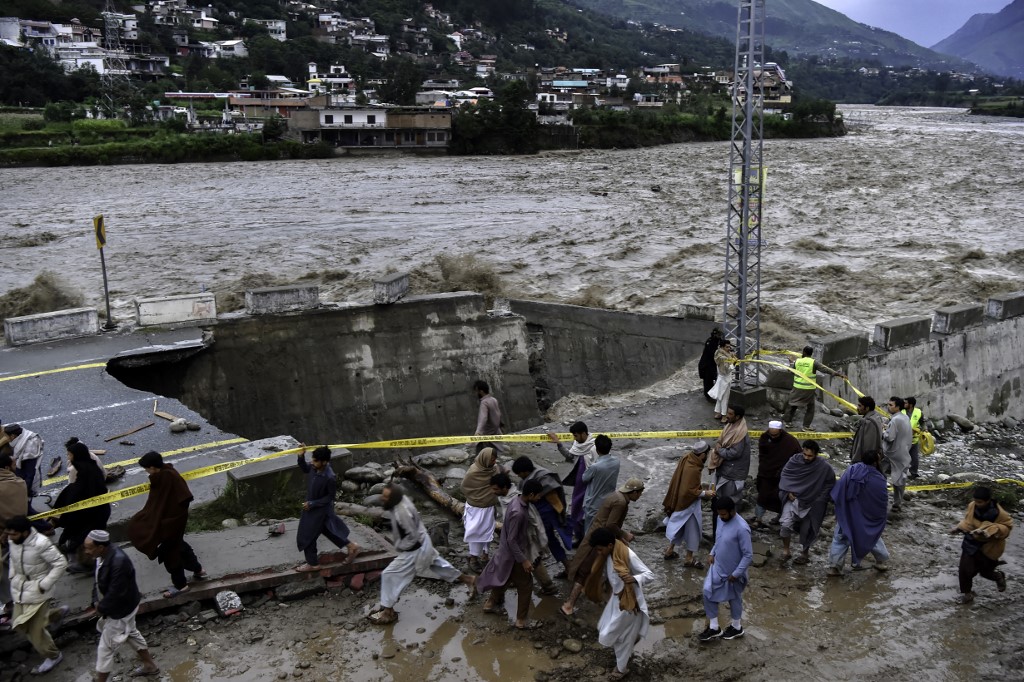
pixel 774 449
pixel 985 527
pixel 478 515
pixel 158 530
pixel 683 520
pixel 805 490
pixel 611 515
pixel 730 460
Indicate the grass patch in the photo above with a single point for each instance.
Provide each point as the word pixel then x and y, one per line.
pixel 46 294
pixel 285 502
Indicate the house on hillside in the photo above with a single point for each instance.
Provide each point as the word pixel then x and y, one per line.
pixel 336 121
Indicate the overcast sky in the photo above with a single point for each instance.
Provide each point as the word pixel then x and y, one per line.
pixel 926 22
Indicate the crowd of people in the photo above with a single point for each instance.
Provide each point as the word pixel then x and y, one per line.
pixel 583 533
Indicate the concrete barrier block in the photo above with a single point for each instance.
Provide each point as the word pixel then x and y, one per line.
pixel 390 289
pixel 281 299
pixel 175 309
pixel 60 324
pixel 956 318
pixel 693 311
pixel 1005 306
pixel 838 348
pixel 903 331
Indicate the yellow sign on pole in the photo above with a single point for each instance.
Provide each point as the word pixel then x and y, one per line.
pixel 101 231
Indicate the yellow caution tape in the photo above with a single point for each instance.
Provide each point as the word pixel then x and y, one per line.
pixel 966 484
pixel 132 491
pixel 171 453
pixel 202 472
pixel 40 373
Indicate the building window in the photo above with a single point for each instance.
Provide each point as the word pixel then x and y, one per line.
pixel 371 119
pixel 348 118
pixel 408 136
pixel 328 118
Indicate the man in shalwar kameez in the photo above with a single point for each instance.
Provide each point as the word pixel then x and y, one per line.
pixel 682 505
pixel 727 575
pixel 861 500
pixel 581 454
pixel 805 488
pixel 478 516
pixel 318 515
pixel 896 441
pixel 416 556
pixel 625 619
pixel 512 564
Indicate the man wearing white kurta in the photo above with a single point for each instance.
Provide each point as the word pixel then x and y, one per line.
pixel 625 619
pixel 416 556
pixel 727 573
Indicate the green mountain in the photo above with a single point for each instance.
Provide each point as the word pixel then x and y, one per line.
pixel 800 27
pixel 994 41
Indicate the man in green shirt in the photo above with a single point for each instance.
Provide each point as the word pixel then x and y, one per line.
pixel 804 393
pixel 914 413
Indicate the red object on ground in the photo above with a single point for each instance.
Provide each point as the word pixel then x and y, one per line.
pixel 356 584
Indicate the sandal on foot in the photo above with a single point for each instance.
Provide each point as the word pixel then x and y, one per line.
pixel 693 563
pixel 531 625
pixel 801 560
pixel 306 568
pixel 490 608
pixel 172 592
pixel 549 590
pixel 143 671
pixel 569 615
pixel 199 575
pixel 381 618
pixel 671 556
pixel 354 550
pixel 616 675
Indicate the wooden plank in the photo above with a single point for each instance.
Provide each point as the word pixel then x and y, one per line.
pixel 128 433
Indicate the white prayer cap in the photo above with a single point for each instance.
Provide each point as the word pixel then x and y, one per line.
pixel 775 425
pixel 700 447
pixel 99 536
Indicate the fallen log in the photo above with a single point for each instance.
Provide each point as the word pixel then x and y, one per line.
pixel 352 509
pixel 412 471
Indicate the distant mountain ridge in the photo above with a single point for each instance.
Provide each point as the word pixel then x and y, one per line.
pixel 801 27
pixel 994 41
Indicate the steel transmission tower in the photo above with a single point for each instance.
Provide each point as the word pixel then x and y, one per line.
pixel 742 307
pixel 116 80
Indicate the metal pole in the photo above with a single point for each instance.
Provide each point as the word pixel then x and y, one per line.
pixel 109 324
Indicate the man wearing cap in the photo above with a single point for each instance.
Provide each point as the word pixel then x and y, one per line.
pixel 774 449
pixel 36 566
pixel 116 597
pixel 985 527
pixel 682 505
pixel 611 515
pixel 804 393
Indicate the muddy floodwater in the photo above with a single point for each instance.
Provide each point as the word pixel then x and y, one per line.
pixel 914 209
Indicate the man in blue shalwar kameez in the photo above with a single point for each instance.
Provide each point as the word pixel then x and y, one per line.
pixel 318 515
pixel 727 572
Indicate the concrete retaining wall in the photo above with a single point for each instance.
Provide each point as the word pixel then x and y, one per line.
pixel 375 372
pixel 175 309
pixel 356 374
pixel 60 324
pixel 968 365
pixel 593 351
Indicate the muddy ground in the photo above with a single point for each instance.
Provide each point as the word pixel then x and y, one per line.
pixel 900 625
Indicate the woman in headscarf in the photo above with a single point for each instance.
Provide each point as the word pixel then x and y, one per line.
pixel 90 481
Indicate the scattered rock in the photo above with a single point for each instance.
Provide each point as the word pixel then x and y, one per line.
pixel 178 426
pixel 350 486
pixel 377 489
pixel 572 645
pixel 293 591
pixel 230 523
pixel 964 423
pixel 364 475
pixel 373 501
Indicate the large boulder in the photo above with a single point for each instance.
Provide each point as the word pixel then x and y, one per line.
pixel 364 475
